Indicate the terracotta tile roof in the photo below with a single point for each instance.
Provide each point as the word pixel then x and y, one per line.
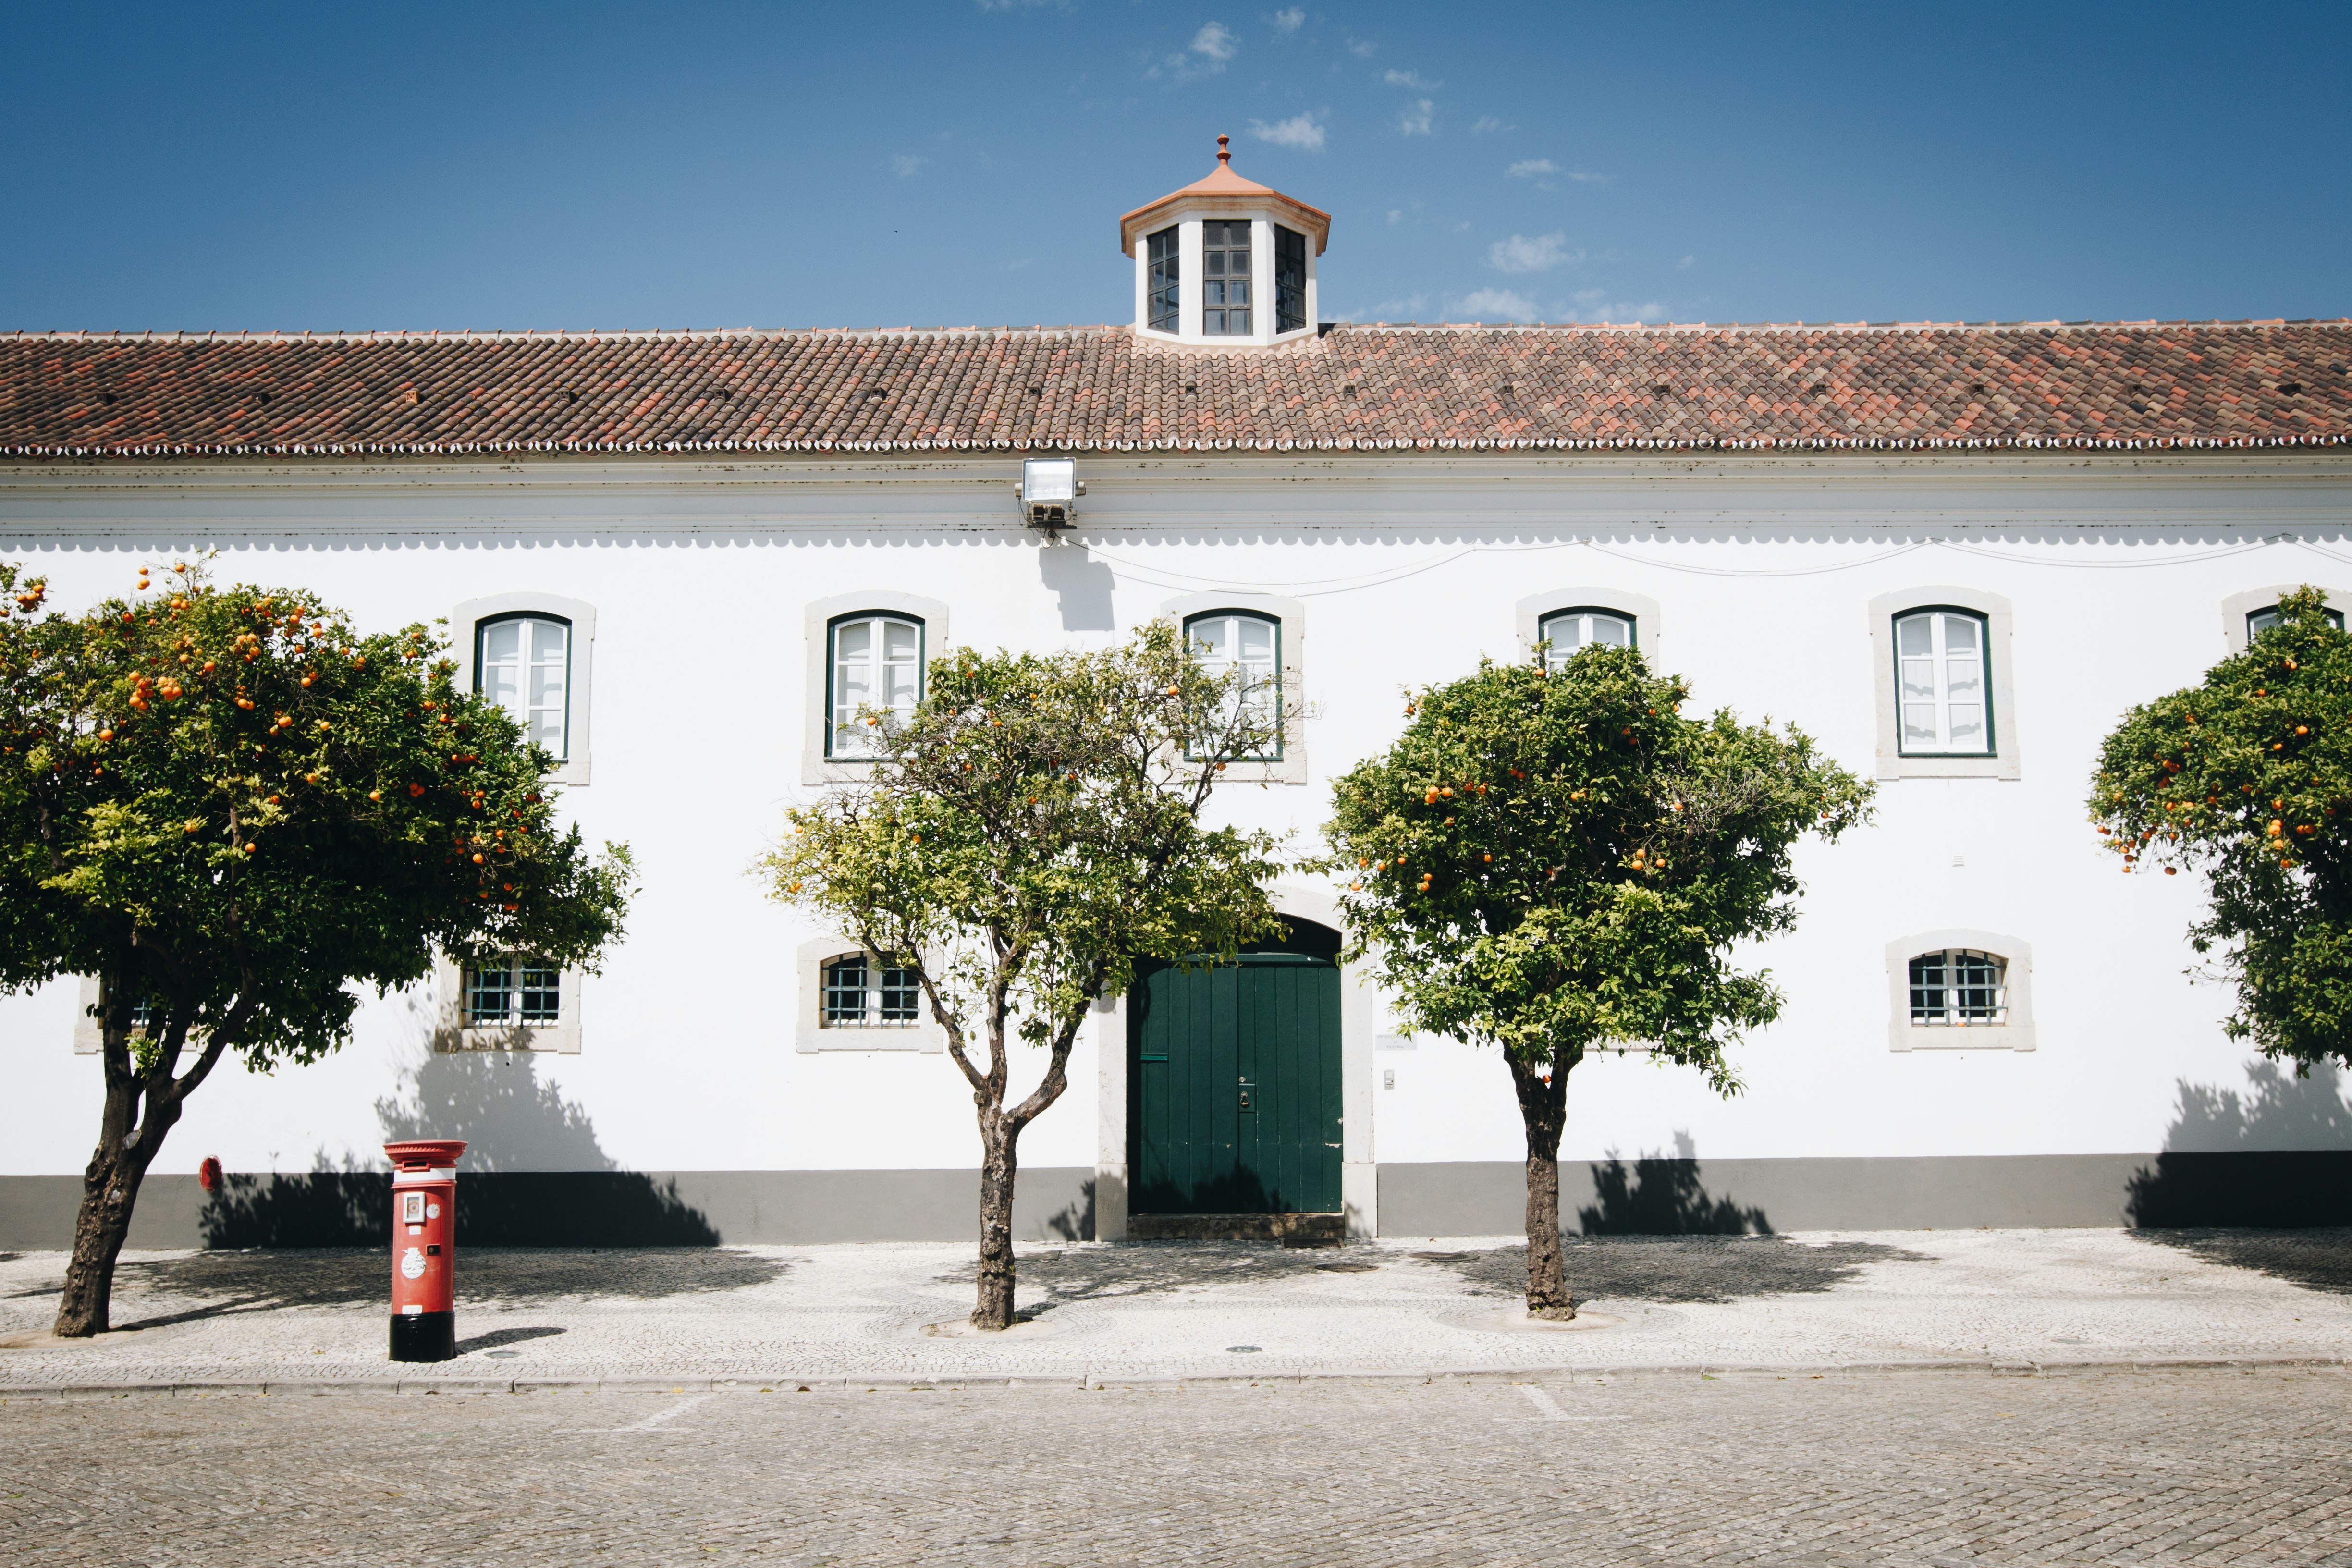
pixel 1379 388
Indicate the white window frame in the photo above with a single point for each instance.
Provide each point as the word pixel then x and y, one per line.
pixel 2002 762
pixel 2239 607
pixel 1289 618
pixel 817 766
pixel 1939 619
pixel 813 1034
pixel 530 649
pixel 466 623
pixel 842 742
pixel 1648 619
pixel 1233 619
pixel 455 1031
pixel 88 1040
pixel 2014 1033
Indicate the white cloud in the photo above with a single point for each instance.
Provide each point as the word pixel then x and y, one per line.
pixel 1411 79
pixel 1299 131
pixel 1485 123
pixel 1594 305
pixel 1540 254
pixel 1684 264
pixel 1528 168
pixel 1488 304
pixel 1216 41
pixel 1362 47
pixel 1206 54
pixel 906 166
pixel 1288 21
pixel 1404 309
pixel 1396 215
pixel 1414 120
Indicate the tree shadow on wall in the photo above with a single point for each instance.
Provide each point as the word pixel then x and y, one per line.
pixel 1658 1195
pixel 533 1174
pixel 1076 1221
pixel 2276 1156
pixel 2260 1179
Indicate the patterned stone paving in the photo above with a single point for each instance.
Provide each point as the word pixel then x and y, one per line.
pixel 1901 1468
pixel 1177 1310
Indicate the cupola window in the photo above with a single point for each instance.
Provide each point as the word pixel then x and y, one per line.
pixel 1166 312
pixel 1225 277
pixel 1289 279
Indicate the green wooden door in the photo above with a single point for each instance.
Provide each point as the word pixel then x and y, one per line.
pixel 1232 1085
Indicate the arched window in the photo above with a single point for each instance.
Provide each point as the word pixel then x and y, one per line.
pixel 861 993
pixel 523 663
pixel 874 666
pixel 1943 683
pixel 1954 987
pixel 2261 620
pixel 1227 640
pixel 1565 631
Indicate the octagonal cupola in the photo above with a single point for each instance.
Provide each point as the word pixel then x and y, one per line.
pixel 1225 262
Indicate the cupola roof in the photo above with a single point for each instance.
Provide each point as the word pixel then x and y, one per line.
pixel 1222 192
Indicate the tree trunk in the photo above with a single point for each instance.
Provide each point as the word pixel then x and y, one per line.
pixel 1543 1101
pixel 110 1188
pixel 999 1134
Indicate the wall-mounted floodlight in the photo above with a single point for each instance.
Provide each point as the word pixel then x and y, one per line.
pixel 1049 492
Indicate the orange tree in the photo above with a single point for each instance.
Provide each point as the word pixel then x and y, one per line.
pixel 1028 836
pixel 1550 861
pixel 2246 779
pixel 230 807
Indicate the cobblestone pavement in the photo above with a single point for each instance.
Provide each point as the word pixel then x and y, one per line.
pixel 1178 1310
pixel 1939 1468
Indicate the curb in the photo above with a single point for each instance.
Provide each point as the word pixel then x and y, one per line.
pixel 904 1381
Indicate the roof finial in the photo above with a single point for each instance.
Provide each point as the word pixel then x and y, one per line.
pixel 1222 156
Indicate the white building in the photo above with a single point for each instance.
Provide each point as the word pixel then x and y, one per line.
pixel 682 540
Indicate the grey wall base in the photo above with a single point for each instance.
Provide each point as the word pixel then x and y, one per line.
pixel 1670 1197
pixel 567 1209
pixel 705 1208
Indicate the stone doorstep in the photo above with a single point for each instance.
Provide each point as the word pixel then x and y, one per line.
pixel 1290 1229
pixel 903 1381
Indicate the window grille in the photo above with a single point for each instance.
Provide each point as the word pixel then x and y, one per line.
pixel 1165 303
pixel 1565 631
pixel 515 991
pixel 1958 986
pixel 1225 277
pixel 876 663
pixel 523 663
pixel 1943 683
pixel 860 994
pixel 1289 279
pixel 1228 641
pixel 2263 620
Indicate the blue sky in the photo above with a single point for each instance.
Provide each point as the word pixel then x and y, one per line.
pixel 687 166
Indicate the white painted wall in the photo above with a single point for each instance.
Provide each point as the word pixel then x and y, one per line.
pixel 1409 570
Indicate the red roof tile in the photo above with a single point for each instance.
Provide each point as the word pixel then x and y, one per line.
pixel 1384 388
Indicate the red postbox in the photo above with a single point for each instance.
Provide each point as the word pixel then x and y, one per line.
pixel 423 1248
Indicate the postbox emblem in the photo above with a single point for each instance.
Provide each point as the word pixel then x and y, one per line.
pixel 412 1265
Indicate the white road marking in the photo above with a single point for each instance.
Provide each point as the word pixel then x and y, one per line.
pixel 1550 1408
pixel 654 1423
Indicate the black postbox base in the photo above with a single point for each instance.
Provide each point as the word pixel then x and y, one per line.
pixel 423 1336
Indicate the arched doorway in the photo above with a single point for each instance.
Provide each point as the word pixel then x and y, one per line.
pixel 1234 1082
